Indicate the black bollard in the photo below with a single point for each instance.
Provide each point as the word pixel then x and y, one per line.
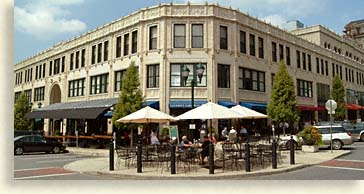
pixel 173 159
pixel 291 149
pixel 111 156
pixel 247 157
pixel 274 154
pixel 211 158
pixel 139 157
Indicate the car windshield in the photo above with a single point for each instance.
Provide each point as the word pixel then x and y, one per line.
pixel 17 138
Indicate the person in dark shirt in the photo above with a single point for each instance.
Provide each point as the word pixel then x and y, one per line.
pixel 205 149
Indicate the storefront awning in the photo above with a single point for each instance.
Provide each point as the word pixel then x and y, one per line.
pixel 185 103
pixel 353 107
pixel 226 103
pixel 74 110
pixel 307 108
pixel 151 103
pixel 254 105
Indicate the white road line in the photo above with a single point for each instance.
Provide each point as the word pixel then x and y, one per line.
pixel 41 176
pixel 342 168
pixel 27 169
pixel 348 160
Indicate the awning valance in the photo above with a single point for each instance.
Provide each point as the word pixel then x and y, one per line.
pixel 185 103
pixel 74 110
pixel 353 107
pixel 151 103
pixel 226 103
pixel 254 105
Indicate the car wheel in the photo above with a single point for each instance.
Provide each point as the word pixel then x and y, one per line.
pixel 337 144
pixel 56 150
pixel 288 145
pixel 362 137
pixel 19 151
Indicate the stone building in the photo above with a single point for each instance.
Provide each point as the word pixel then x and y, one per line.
pixel 237 55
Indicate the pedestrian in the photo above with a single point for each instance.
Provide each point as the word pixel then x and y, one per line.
pixel 232 135
pixel 243 133
pixel 225 134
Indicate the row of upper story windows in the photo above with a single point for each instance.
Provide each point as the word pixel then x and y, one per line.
pixel 347 53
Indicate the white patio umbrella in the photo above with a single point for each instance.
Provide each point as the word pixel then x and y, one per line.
pixel 147 115
pixel 248 113
pixel 210 110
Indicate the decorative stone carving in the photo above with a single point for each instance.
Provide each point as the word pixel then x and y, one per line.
pixel 197 11
pixel 179 11
pixel 153 13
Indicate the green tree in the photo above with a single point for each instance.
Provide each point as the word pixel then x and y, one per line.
pixel 338 94
pixel 283 105
pixel 130 97
pixel 21 108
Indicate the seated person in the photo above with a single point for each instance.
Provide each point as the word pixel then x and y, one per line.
pixel 205 149
pixel 154 139
pixel 185 143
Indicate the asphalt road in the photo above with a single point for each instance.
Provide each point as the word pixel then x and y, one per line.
pixel 41 166
pixel 348 167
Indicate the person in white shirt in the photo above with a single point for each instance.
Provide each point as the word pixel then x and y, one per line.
pixel 225 134
pixel 154 139
pixel 232 134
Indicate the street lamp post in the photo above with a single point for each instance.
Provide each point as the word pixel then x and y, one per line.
pixel 185 73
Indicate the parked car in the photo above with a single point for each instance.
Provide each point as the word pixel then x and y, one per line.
pixel 340 137
pixel 25 132
pixel 357 133
pixel 36 143
pixel 357 130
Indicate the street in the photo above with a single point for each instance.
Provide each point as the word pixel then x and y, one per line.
pixel 347 167
pixel 49 167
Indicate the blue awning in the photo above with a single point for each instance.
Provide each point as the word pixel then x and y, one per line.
pixel 185 103
pixel 254 105
pixel 226 103
pixel 153 104
pixel 108 114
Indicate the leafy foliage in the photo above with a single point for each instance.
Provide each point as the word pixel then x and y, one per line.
pixel 130 97
pixel 282 107
pixel 20 109
pixel 311 136
pixel 338 94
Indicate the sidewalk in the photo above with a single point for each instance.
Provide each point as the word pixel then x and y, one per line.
pixel 100 166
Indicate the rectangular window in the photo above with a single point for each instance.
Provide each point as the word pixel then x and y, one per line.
pixel 76 87
pixel 317 65
pixel 304 88
pixel 99 52
pixel 39 94
pixel 309 62
pixel 260 47
pixel 63 63
pixel 346 74
pixel 153 37
pixel 177 79
pixel 57 65
pixel 197 35
pixel 28 94
pixel 99 84
pixel 298 57
pixel 126 44
pixel 71 61
pixel 326 68
pixel 274 52
pixel 77 59
pixel 93 53
pixel 304 60
pixel 251 80
pixel 322 67
pixel 153 76
pixel 288 55
pixel 243 42
pixel 83 57
pixel 44 67
pixel 341 73
pixel 36 72
pixel 50 68
pixel 16 96
pixel 31 73
pixel 223 37
pixel 281 57
pixel 252 44
pixel 119 75
pixel 106 50
pixel 223 76
pixel 118 46
pixel 134 42
pixel 179 36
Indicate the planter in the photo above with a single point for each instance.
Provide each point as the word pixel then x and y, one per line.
pixel 310 148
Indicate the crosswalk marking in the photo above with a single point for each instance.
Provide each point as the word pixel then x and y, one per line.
pixel 41 176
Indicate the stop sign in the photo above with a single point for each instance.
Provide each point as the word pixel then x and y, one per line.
pixel 330 106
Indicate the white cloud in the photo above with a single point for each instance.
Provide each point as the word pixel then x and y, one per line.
pixel 275 10
pixel 46 19
pixel 275 20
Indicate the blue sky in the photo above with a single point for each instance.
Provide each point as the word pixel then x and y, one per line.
pixel 39 24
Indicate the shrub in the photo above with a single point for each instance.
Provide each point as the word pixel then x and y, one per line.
pixel 311 136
